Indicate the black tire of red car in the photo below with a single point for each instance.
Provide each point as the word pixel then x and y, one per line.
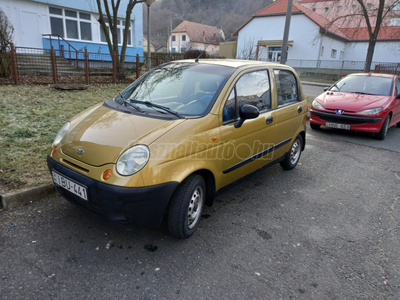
pixel 385 126
pixel 314 126
pixel 398 124
pixel 186 207
pixel 293 156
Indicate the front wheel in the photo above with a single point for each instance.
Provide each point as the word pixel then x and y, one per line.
pixel 293 157
pixel 385 126
pixel 187 206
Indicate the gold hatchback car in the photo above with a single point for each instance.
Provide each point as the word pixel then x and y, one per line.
pixel 176 137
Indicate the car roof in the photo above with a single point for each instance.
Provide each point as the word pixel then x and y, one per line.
pixel 234 63
pixel 373 74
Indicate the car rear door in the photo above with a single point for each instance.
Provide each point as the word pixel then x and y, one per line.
pixel 290 108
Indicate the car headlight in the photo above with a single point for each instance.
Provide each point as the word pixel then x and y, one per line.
pixel 317 105
pixel 133 160
pixel 61 133
pixel 371 111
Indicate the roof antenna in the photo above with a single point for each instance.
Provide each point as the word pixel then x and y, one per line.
pixel 201 53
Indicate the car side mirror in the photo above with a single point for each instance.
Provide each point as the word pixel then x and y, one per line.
pixel 246 112
pixel 326 89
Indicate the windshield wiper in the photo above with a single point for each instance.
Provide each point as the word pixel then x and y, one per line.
pixel 130 104
pixel 167 109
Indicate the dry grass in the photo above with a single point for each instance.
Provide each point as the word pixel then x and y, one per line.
pixel 30 117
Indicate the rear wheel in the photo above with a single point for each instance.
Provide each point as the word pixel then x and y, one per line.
pixel 398 124
pixel 314 126
pixel 293 157
pixel 385 126
pixel 187 206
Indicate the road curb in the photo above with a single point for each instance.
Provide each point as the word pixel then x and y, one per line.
pixel 316 84
pixel 27 196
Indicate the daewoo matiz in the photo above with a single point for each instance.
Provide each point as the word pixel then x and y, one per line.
pixel 178 135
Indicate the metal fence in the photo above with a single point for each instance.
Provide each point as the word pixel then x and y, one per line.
pixel 22 65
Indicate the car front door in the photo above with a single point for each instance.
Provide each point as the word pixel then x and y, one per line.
pixel 250 146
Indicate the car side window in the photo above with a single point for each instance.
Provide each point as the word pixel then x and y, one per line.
pixel 397 86
pixel 287 87
pixel 252 88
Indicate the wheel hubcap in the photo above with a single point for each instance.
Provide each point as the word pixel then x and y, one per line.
pixel 295 152
pixel 195 207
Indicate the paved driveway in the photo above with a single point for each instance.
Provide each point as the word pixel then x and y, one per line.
pixel 329 229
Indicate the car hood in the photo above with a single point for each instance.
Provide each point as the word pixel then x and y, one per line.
pixel 351 101
pixel 104 134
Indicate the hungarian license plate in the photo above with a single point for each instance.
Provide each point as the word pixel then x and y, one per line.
pixel 70 185
pixel 338 126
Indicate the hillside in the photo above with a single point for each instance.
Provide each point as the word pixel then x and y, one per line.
pixel 228 15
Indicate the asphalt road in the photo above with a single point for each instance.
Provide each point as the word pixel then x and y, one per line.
pixel 311 90
pixel 329 229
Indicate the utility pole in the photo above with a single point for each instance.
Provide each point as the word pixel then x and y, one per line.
pixel 286 32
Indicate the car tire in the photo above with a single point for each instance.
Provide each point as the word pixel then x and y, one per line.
pixel 293 156
pixel 315 126
pixel 398 124
pixel 385 126
pixel 186 207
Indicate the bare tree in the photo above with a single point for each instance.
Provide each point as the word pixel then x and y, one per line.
pixel 108 16
pixel 6 30
pixel 6 33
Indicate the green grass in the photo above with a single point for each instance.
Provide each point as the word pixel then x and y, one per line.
pixel 30 117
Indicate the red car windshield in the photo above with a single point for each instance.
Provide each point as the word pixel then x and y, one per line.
pixel 360 84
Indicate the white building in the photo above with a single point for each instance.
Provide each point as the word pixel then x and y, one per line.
pixel 73 20
pixel 312 38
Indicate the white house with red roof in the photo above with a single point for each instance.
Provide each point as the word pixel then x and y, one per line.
pixel 312 38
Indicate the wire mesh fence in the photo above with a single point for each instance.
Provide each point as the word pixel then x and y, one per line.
pixel 47 66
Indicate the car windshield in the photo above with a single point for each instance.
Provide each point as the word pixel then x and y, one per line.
pixel 180 88
pixel 364 84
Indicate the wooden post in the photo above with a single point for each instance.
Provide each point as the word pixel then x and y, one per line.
pixel 14 63
pixel 114 59
pixel 86 67
pixel 157 61
pixel 137 66
pixel 53 64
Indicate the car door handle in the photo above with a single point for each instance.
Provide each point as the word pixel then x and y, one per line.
pixel 299 109
pixel 269 120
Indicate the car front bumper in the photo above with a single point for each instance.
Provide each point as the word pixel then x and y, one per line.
pixel 357 123
pixel 143 206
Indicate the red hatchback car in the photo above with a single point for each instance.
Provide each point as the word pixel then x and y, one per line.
pixel 366 102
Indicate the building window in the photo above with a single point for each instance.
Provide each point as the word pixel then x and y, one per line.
pixel 75 28
pixel 394 22
pixel 184 38
pixel 396 6
pixel 341 55
pixel 173 38
pixel 369 6
pixel 354 7
pixel 333 53
pixel 322 51
pixel 120 32
pixel 183 49
pixel 173 50
pixel 326 9
pixel 339 8
pixel 314 9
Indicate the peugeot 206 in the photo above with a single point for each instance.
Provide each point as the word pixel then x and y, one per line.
pixel 365 102
pixel 177 136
